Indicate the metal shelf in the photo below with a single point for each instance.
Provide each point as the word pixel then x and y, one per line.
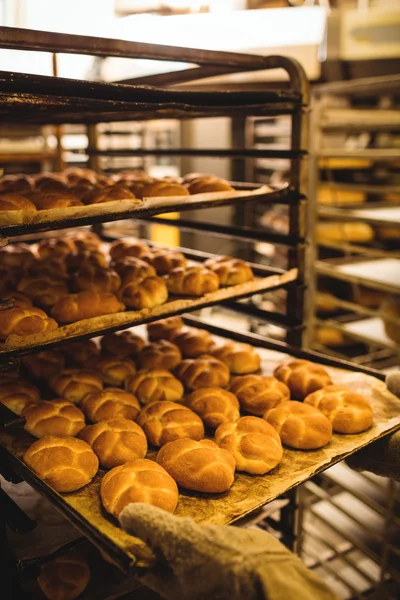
pixel 380 274
pixel 375 216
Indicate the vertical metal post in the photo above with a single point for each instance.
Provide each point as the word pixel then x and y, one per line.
pixel 242 211
pixel 59 163
pixel 93 142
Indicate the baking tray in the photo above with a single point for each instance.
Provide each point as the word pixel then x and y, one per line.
pixel 381 274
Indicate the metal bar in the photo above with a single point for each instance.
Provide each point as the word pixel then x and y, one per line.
pixel 368 153
pixel 362 187
pixel 275 318
pixel 330 271
pixel 344 214
pixel 217 152
pixel 373 85
pixel 362 310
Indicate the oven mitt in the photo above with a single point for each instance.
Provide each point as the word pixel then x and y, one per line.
pixel 207 562
pixel 383 456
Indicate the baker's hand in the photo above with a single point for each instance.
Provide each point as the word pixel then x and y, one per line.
pixel 206 562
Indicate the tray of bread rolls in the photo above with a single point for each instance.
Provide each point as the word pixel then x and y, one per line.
pixel 197 424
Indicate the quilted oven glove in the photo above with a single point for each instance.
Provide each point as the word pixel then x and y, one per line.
pixel 206 562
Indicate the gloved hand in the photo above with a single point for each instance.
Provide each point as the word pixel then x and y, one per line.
pixel 207 562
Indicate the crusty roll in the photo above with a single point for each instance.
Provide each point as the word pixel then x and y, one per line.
pixel 348 411
pixel 145 293
pixel 200 466
pixel 163 188
pixel 84 240
pixel 133 269
pixel 192 281
pixel 164 422
pixel 113 370
pixel 253 443
pixel 85 305
pixel 204 371
pixel 82 258
pixel 52 268
pixel 17 394
pixel 154 385
pixel 20 299
pixel 121 249
pixel 111 403
pixel 344 232
pixel 80 353
pixel 205 184
pixel 302 377
pixel 239 358
pixel 15 202
pixel 74 384
pixel 163 329
pixel 109 194
pixel 96 279
pixel 24 321
pixel 230 271
pixel 57 247
pixel 44 200
pixel 65 577
pixel 64 463
pixel 44 365
pixel 164 261
pixel 258 393
pixel 16 183
pixel 115 441
pixel 139 480
pixel 191 341
pixel 125 344
pixel 55 417
pixel 300 425
pixel 214 406
pixel 16 255
pixel 161 354
pixel 44 291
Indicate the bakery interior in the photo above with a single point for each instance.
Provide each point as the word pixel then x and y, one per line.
pixel 199 250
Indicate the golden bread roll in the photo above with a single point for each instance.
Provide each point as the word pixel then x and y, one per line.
pixel 18 394
pixel 258 393
pixel 239 358
pixel 108 404
pixel 20 299
pixel 97 279
pixel 113 370
pixel 302 377
pixel 46 177
pixel 191 281
pixel 16 183
pixel 164 422
pixel 16 255
pixel 57 247
pixel 300 425
pixel 154 385
pixel 15 202
pixel 348 411
pixel 204 371
pixel 80 353
pixel 326 303
pixel 160 354
pixel 54 417
pixel 163 329
pixel 388 233
pixel 109 194
pixel 133 269
pixel 82 258
pixel 85 305
pixel 51 268
pixel 344 232
pixel 44 291
pixel 367 296
pixel 253 443
pixel 115 441
pixel 84 240
pixel 206 184
pixel 164 261
pixel 189 177
pixel 66 464
pixel 121 249
pixel 198 465
pixel 145 293
pixel 65 577
pixel 328 336
pixel 214 406
pixel 74 384
pixel 139 480
pixel 25 321
pixel 230 271
pixel 45 364
pixel 163 188
pixel 75 174
pixel 192 342
pixel 125 344
pixel 44 200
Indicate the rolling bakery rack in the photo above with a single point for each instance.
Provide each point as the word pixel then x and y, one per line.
pixel 53 101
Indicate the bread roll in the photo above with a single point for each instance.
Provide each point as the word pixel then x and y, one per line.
pixel 84 240
pixel 109 194
pixel 24 321
pixel 163 188
pixel 44 291
pixel 200 466
pixel 85 305
pixel 230 271
pixel 55 417
pixel 164 261
pixel 239 358
pixel 191 341
pixel 52 268
pixel 15 202
pixel 388 233
pixel 17 394
pixel 258 393
pixel 206 184
pixel 300 425
pixel 147 293
pixel 160 355
pixel 19 298
pixel 253 443
pixel 214 406
pixel 16 183
pixel 66 464
pixel 57 247
pixel 65 577
pixel 96 279
pixel 133 269
pixel 108 404
pixel 83 258
pixel 164 422
pixel 154 385
pixel 347 411
pixel 124 345
pixel 192 281
pixel 326 303
pixel 113 370
pixel 16 256
pixel 204 371
pixel 121 248
pixel 80 353
pixel 163 329
pixel 345 232
pixel 45 200
pixel 44 365
pixel 115 441
pixel 139 480
pixel 329 336
pixel 302 377
pixel 74 384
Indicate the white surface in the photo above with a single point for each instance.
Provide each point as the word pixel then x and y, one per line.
pixel 371 329
pixel 391 214
pixel 385 270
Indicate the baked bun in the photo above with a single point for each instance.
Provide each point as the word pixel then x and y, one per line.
pixel 192 281
pixel 24 321
pixel 302 377
pixel 239 358
pixel 161 354
pixel 133 269
pixel 84 240
pixel 145 293
pixel 108 404
pixel 44 365
pixel 230 271
pixel 300 425
pixel 15 202
pixel 44 200
pixel 18 394
pixel 253 443
pixel 52 268
pixel 164 422
pixel 214 406
pixel 154 385
pixel 258 393
pixel 20 299
pixel 192 342
pixel 16 183
pixel 124 345
pixel 55 417
pixel 57 247
pixel 80 353
pixel 205 184
pixel 163 329
pixel 200 466
pixel 85 305
pixel 109 194
pixel 97 279
pixel 66 464
pixel 16 256
pixel 164 261
pixel 82 258
pixel 121 249
pixel 204 371
pixel 348 411
pixel 344 232
pixel 115 442
pixel 163 188
pixel 74 384
pixel 113 370
pixel 65 577
pixel 44 291
pixel 139 480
